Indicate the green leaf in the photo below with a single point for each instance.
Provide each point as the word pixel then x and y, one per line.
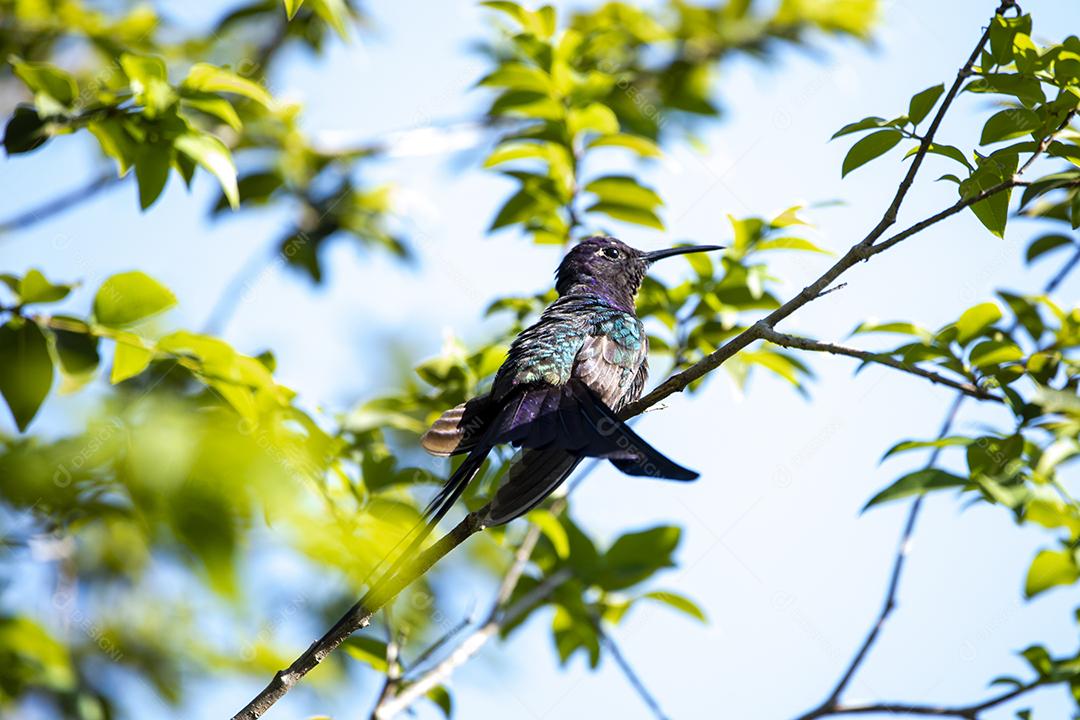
pixel 993 211
pixel 34 288
pixel 950 151
pixel 441 697
pixel 636 556
pixel 1008 124
pixel 367 650
pixel 1026 89
pixel 152 163
pixel 864 124
pixel 976 319
pixel 553 530
pixel 677 601
pixel 127 298
pixel 27 369
pixel 1044 244
pixel 923 102
pixel 789 243
pixel 205 77
pixel 76 349
pixel 291 7
pixel 908 445
pixel 868 148
pixel 25 131
pixel 623 190
pixel 640 145
pixel 1049 569
pixel 130 358
pixel 899 328
pixel 628 213
pixel 215 106
pixel 596 118
pixel 48 80
pixel 917 483
pixel 995 352
pixel 115 142
pixel 211 153
pixel 508 152
pixel 149 81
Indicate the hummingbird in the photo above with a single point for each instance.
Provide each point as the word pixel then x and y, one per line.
pixel 558 393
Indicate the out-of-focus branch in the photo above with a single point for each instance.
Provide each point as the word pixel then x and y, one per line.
pixel 799 343
pixel 60 203
pixel 631 675
pixel 471 645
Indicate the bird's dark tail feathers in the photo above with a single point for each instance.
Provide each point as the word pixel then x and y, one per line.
pixel 557 435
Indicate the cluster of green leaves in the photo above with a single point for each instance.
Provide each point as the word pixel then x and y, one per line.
pixel 597 85
pixel 603 585
pixel 214 117
pixel 700 314
pixel 139 118
pixel 1040 89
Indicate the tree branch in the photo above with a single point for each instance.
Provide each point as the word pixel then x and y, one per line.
pixel 969 712
pixel 631 674
pixel 798 343
pixel 470 647
pixel 359 616
pixel 60 203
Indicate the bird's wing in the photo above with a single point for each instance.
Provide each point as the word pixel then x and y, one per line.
pixel 534 475
pixel 612 362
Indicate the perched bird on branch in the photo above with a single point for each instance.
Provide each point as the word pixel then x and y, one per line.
pixel 557 394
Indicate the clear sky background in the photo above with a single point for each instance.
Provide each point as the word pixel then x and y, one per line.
pixel 775 549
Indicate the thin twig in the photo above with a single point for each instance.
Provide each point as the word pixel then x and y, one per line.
pixel 631 674
pixel 393 664
pixel 60 203
pixel 798 343
pixel 968 712
pixel 470 647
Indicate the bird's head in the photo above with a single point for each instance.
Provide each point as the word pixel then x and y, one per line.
pixel 602 265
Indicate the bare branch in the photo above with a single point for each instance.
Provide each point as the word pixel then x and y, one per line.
pixel 60 203
pixel 798 343
pixel 631 674
pixel 470 647
pixel 968 712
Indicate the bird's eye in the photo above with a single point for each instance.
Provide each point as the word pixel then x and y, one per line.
pixel 611 253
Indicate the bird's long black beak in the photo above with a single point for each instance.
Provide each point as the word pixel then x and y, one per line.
pixel 652 257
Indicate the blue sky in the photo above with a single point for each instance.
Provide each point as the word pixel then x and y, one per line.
pixel 775 549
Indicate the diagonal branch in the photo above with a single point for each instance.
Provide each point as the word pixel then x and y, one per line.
pixel 628 670
pixel 60 203
pixel 798 343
